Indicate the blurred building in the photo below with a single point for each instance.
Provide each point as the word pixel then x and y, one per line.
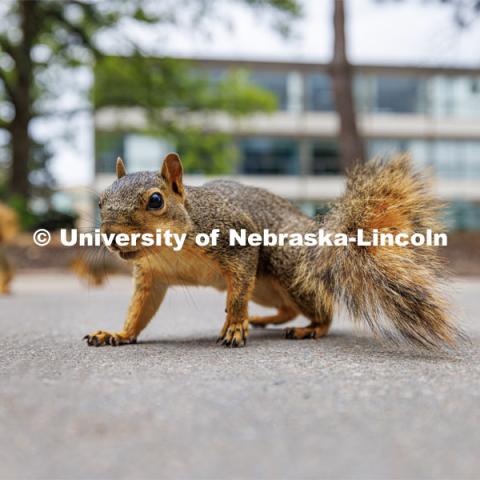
pixel 433 113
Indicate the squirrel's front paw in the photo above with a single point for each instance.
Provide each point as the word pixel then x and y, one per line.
pixel 234 334
pixel 100 338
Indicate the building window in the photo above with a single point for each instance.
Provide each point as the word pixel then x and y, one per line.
pixel 466 97
pixel 140 152
pixel 400 94
pixel 472 159
pixel 449 158
pixel 463 215
pixel 275 82
pixel 325 158
pixel 264 156
pixel 108 146
pixel 456 158
pixel 419 150
pixel 455 96
pixel 386 148
pixel 319 93
pixel 144 152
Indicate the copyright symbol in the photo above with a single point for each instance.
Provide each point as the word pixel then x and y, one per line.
pixel 42 237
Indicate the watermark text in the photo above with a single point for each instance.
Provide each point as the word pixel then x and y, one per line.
pixel 266 238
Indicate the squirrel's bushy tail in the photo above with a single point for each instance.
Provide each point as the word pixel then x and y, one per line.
pixel 388 286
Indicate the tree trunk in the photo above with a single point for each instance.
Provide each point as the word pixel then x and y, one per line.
pixel 350 143
pixel 21 150
pixel 22 100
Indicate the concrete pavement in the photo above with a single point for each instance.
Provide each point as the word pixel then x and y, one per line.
pixel 177 405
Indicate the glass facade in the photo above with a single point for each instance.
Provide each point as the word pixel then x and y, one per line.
pixel 436 96
pixel 420 150
pixel 449 158
pixel 458 215
pixel 450 98
pixel 319 93
pixel 324 158
pixel 455 96
pixel 275 82
pixel 399 94
pixel 269 156
pixel 282 156
pixel 433 95
pixel 139 151
pixel 463 215
pixel 144 152
pixel 108 146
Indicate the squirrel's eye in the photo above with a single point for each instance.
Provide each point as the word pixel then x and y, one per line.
pixel 155 201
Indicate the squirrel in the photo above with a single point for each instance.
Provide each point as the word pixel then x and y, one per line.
pixel 394 290
pixel 8 229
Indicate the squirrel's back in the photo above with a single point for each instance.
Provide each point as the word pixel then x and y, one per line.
pixel 264 208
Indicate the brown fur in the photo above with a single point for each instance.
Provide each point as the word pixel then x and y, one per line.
pixel 395 290
pixel 8 230
pixel 392 282
pixel 6 273
pixel 94 272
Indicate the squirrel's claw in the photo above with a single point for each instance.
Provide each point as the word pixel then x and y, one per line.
pixel 101 338
pixel 234 335
pixel 92 340
pixel 301 333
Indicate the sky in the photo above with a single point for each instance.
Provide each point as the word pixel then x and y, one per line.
pixel 413 32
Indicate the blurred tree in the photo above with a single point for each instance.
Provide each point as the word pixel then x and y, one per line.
pixel 465 13
pixel 157 84
pixel 350 142
pixel 170 91
pixel 35 35
pixel 212 153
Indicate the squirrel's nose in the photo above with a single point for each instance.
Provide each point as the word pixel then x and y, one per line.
pixel 114 242
pixel 113 236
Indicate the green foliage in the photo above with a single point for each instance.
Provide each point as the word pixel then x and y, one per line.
pixel 287 6
pixel 182 87
pixel 206 152
pixel 139 81
pixel 53 220
pixel 236 95
pixel 40 38
pixel 105 144
pixel 285 10
pixel 155 84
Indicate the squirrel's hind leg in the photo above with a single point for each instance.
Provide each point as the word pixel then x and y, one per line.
pixel 284 315
pixel 268 292
pixel 313 330
pixel 320 319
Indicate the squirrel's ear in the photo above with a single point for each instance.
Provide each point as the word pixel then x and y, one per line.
pixel 121 170
pixel 172 172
